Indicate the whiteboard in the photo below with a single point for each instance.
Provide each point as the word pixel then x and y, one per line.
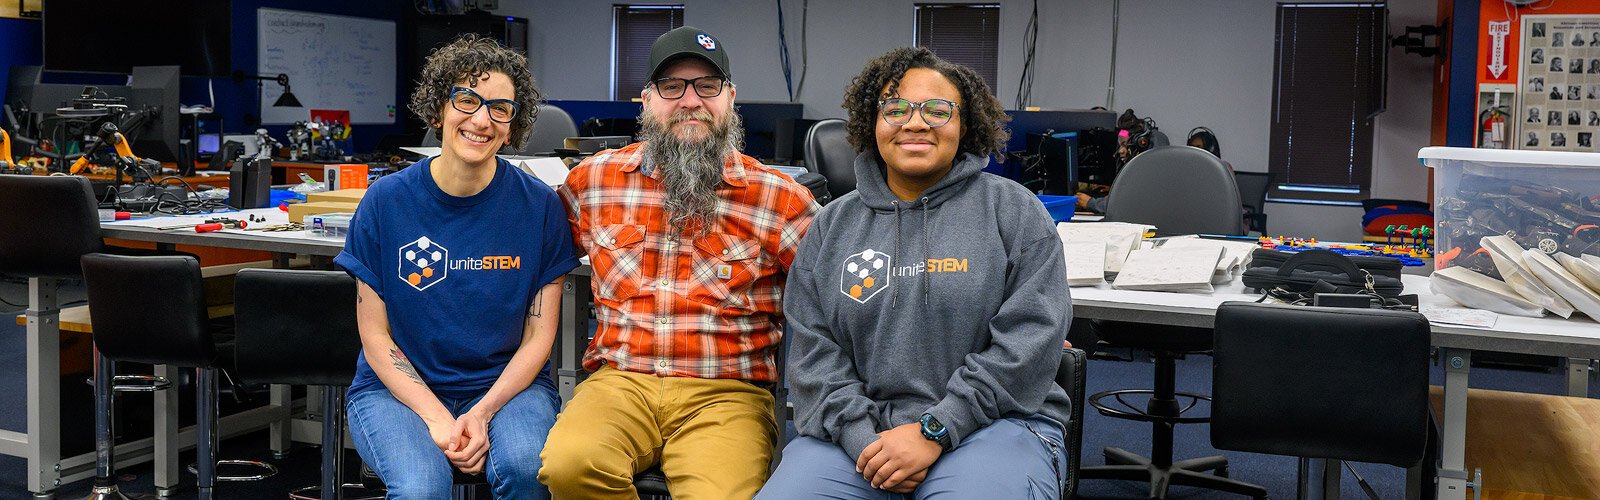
pixel 333 62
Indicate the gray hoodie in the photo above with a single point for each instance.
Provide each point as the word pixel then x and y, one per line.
pixel 954 304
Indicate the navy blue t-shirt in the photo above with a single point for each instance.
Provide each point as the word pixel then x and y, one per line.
pixel 457 274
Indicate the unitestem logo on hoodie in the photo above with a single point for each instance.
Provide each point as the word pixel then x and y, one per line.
pixel 864 275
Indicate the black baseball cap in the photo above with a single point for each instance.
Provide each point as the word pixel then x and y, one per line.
pixel 687 41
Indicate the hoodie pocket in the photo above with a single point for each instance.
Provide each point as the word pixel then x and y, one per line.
pixel 621 255
pixel 723 269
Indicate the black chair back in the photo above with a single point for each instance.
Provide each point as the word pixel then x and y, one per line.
pixel 1253 188
pixel 295 327
pixel 828 152
pixel 149 309
pixel 46 224
pixel 1178 189
pixel 1070 376
pixel 1321 382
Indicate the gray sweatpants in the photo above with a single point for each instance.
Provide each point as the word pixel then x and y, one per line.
pixel 1009 458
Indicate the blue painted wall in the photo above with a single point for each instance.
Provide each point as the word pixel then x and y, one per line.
pixel 1461 121
pixel 21 43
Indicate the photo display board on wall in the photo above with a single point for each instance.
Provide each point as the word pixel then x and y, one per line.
pixel 1560 83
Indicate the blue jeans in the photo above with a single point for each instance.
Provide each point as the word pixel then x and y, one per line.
pixel 1009 458
pixel 395 442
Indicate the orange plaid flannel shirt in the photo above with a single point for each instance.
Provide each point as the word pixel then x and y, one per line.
pixel 705 305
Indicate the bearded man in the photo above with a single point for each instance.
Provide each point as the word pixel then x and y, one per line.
pixel 690 242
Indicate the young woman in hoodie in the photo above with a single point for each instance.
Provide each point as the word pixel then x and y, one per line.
pixel 927 308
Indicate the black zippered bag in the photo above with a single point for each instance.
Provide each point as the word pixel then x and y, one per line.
pixel 1300 271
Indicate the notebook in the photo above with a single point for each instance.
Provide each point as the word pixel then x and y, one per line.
pixel 1507 256
pixel 1118 237
pixel 1177 269
pixel 1086 262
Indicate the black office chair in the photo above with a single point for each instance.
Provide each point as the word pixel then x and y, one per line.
pixel 1070 376
pixel 1253 188
pixel 49 223
pixel 1180 190
pixel 173 329
pixel 299 328
pixel 828 152
pixel 1321 382
pixel 550 131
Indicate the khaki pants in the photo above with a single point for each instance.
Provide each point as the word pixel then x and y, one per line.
pixel 712 438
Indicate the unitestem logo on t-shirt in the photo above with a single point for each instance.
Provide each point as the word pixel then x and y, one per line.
pixel 419 258
pixel 417 262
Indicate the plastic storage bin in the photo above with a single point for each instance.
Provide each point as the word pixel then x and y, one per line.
pixel 1060 207
pixel 330 225
pixel 1546 200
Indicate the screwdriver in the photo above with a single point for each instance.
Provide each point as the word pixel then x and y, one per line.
pixel 218 226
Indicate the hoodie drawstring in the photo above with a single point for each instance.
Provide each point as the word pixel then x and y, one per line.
pixel 894 300
pixel 925 229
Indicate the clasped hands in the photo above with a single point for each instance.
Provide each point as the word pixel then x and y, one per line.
pixel 899 460
pixel 464 439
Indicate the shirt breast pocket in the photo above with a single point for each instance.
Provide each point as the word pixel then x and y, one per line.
pixel 723 269
pixel 620 260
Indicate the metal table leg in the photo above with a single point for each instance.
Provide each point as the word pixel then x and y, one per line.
pixel 576 298
pixel 167 445
pixel 1453 435
pixel 1578 377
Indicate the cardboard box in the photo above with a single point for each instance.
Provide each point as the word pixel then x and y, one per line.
pixel 299 211
pixel 353 195
pixel 345 176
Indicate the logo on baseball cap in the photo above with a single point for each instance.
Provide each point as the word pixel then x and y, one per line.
pixel 687 41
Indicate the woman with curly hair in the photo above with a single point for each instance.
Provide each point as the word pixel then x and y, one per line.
pixel 927 308
pixel 459 260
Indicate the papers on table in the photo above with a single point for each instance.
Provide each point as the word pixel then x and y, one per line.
pixel 1477 291
pixel 551 170
pixel 1562 282
pixel 1507 256
pixel 1458 316
pixel 1086 262
pixel 1119 238
pixel 1235 255
pixel 1176 269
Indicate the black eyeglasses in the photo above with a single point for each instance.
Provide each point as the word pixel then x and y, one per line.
pixel 705 86
pixel 935 112
pixel 469 102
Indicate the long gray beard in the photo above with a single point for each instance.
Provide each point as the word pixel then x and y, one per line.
pixel 691 171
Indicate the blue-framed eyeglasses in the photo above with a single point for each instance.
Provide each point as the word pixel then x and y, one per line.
pixel 469 102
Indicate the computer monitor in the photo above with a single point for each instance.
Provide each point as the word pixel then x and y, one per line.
pixel 789 141
pixel 1051 164
pixel 154 116
pixel 1094 144
pixel 761 121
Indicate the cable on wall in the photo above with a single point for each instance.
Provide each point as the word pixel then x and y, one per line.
pixel 1030 38
pixel 783 54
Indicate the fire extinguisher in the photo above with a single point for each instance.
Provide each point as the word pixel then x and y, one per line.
pixel 1492 128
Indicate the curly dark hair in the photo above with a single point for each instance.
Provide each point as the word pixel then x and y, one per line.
pixel 469 58
pixel 983 118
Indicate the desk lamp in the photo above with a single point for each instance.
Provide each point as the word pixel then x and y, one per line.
pixel 287 100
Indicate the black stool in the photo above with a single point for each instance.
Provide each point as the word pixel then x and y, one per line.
pixel 299 328
pixel 1327 383
pixel 48 223
pixel 152 309
pixel 1163 410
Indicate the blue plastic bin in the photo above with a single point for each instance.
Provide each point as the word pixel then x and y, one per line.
pixel 1060 207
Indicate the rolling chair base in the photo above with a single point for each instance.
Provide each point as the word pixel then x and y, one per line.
pixel 349 491
pixel 1126 465
pixel 106 493
pixel 268 470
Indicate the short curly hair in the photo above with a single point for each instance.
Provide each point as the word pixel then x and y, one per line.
pixel 983 118
pixel 468 58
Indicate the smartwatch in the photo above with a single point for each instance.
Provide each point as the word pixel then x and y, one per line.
pixel 935 431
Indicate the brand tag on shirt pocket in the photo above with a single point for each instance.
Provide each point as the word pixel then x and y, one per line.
pixel 724 271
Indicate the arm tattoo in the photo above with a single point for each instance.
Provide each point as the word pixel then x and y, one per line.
pixel 537 311
pixel 404 365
